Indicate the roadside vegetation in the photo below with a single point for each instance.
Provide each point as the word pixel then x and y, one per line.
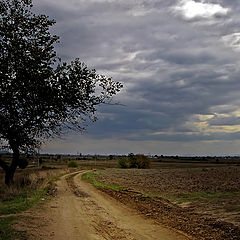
pixel 22 202
pixel 93 179
pixel 7 232
pixel 30 188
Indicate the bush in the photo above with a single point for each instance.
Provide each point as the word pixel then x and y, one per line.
pixel 139 161
pixel 142 161
pixel 73 164
pixel 132 161
pixel 123 163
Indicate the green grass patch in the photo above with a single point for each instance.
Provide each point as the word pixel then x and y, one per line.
pixel 92 177
pixel 206 196
pixel 26 198
pixel 21 202
pixel 7 232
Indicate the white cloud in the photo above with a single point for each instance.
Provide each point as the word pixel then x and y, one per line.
pixel 232 40
pixel 190 9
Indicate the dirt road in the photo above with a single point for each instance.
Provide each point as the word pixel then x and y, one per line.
pixel 81 212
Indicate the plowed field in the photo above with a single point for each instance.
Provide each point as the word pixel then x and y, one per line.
pixel 202 202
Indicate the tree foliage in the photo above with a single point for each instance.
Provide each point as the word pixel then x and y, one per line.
pixel 40 96
pixel 139 161
pixel 123 163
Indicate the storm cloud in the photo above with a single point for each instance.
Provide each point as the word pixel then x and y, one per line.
pixel 179 63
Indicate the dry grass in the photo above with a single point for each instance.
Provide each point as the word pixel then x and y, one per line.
pixel 30 186
pixel 26 181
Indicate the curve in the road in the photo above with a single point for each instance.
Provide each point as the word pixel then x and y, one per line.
pixel 81 212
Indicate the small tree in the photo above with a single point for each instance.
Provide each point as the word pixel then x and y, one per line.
pixel 123 163
pixel 139 161
pixel 142 161
pixel 39 95
pixel 73 164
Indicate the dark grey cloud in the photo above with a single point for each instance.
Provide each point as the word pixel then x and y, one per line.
pixel 176 70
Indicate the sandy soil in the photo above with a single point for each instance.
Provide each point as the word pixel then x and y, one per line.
pixel 81 212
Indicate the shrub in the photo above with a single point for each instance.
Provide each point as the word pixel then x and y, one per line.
pixel 72 164
pixel 132 161
pixel 142 161
pixel 123 163
pixel 139 161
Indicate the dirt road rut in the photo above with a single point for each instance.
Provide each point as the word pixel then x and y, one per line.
pixel 81 212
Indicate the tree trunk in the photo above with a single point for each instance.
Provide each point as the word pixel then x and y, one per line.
pixel 5 167
pixel 10 171
pixel 9 177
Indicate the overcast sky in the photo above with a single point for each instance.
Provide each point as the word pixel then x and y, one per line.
pixel 179 61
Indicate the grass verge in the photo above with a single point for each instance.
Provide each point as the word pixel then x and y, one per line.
pixel 26 198
pixel 92 178
pixel 21 202
pixel 7 232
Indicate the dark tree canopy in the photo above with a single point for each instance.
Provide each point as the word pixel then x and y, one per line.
pixel 40 95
